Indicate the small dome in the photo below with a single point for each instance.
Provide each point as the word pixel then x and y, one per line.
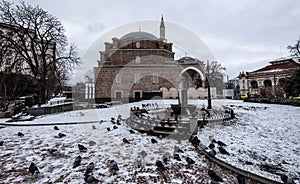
pixel 139 35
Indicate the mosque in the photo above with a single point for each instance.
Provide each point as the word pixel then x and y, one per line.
pixel 140 66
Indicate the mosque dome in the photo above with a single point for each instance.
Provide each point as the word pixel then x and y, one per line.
pixel 139 35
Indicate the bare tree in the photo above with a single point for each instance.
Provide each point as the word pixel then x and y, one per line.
pixel 39 38
pixel 89 76
pixel 295 49
pixel 215 73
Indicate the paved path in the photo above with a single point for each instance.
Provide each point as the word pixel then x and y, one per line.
pixel 2 125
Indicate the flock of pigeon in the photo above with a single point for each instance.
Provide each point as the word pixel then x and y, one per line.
pixel 88 175
pixel 163 166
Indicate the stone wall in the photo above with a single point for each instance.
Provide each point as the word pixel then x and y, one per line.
pixel 50 109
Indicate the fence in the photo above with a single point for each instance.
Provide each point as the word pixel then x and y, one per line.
pixel 236 170
pixel 50 109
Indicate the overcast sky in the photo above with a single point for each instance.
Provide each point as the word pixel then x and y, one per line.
pixel 243 35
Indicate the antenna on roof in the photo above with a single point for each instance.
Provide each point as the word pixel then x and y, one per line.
pixel 280 52
pixel 139 29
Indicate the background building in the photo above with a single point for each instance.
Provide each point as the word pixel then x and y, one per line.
pixel 11 60
pixel 141 66
pixel 268 80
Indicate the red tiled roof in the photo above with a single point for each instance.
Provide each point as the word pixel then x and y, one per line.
pixel 284 64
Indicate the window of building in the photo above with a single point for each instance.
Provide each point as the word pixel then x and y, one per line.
pixel 138 45
pixel 137 78
pixel 267 83
pixel 9 53
pixel 8 61
pixel 19 61
pixel 18 54
pixel 18 70
pixel 282 82
pixel 7 69
pixel 119 78
pixel 254 84
pixel 137 59
pixel 155 78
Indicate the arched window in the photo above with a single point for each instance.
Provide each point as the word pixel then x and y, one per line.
pixel 254 84
pixel 267 83
pixel 282 82
pixel 137 59
pixel 155 78
pixel 119 78
pixel 137 78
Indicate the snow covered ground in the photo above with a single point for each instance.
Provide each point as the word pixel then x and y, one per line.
pixel 17 152
pixel 262 134
pixel 264 139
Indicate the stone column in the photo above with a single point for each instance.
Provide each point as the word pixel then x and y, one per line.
pixel 183 97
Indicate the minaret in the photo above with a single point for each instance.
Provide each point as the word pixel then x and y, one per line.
pixel 162 29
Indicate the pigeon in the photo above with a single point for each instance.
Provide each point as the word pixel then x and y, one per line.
pixel 160 166
pixel 220 143
pixel 241 179
pixel 177 149
pixel 92 143
pixel 94 127
pixel 153 141
pixel 165 159
pixel 286 179
pixel 56 128
pixel 138 162
pixel 20 134
pixel 212 153
pixel 223 151
pixel 82 148
pixel 213 176
pixel 195 141
pixel 176 156
pixel 113 167
pixel 33 168
pixel 60 135
pixel 126 141
pixel 1 143
pixel 144 153
pixel 115 127
pixel 189 160
pixel 77 161
pixel 89 169
pixel 51 151
pixel 211 146
pixel 108 129
pixel 132 132
pixel 90 179
pixel 118 122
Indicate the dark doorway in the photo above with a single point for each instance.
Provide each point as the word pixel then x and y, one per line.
pixel 118 96
pixel 137 96
pixel 150 95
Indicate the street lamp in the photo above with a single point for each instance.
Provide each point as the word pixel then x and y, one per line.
pixel 208 94
pixel 39 78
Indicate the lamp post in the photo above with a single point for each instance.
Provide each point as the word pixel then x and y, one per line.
pixel 38 77
pixel 208 94
pixel 208 86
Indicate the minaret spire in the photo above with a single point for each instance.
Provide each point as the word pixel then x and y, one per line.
pixel 162 28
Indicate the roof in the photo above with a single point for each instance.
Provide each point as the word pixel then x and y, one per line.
pixel 139 35
pixel 162 24
pixel 278 65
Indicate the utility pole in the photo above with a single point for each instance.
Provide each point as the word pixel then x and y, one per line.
pixel 208 88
